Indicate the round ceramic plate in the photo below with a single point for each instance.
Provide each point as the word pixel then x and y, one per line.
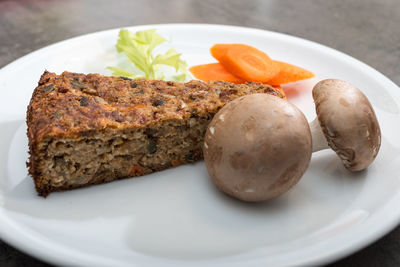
pixel 177 217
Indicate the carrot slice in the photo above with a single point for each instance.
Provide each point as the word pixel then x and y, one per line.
pixel 290 91
pixel 249 63
pixel 289 73
pixel 219 50
pixel 214 71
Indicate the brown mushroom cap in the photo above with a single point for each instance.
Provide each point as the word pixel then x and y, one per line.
pixel 348 122
pixel 257 147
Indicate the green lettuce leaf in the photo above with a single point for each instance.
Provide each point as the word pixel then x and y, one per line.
pixel 122 73
pixel 139 48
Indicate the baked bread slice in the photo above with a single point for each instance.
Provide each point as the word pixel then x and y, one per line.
pixel 93 129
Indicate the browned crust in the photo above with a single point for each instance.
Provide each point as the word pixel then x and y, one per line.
pixel 72 105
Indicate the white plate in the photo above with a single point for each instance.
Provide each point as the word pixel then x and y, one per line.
pixel 177 217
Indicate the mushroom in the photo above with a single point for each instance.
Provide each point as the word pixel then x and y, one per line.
pixel 258 146
pixel 346 122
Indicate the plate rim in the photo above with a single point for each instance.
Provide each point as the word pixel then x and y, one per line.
pixel 323 257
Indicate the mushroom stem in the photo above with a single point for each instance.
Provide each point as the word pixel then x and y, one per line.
pixel 318 138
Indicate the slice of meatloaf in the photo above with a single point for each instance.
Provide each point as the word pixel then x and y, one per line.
pixel 92 129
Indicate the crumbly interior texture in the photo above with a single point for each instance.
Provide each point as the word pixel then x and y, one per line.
pixel 93 129
pixel 109 155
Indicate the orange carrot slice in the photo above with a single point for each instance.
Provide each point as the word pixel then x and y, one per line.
pixel 219 50
pixel 289 73
pixel 290 91
pixel 248 63
pixel 214 71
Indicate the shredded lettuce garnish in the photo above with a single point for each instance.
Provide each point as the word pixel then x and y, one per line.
pixel 139 48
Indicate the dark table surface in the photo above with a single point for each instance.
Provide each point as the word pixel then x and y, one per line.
pixel 365 29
